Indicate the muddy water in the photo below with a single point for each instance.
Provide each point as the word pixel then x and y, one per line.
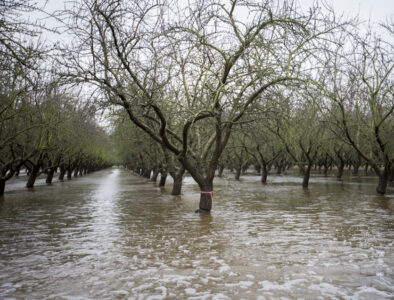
pixel 113 235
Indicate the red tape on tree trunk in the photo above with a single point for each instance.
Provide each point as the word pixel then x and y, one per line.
pixel 210 193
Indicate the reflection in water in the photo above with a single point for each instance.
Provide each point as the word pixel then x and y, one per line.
pixel 112 235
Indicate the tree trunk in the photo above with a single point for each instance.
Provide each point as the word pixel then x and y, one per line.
pixel 69 173
pixel 154 175
pixel 50 173
pixel 264 174
pixel 206 197
pixel 307 172
pixel 220 171
pixel 258 169
pixel 391 175
pixel 62 173
pixel 163 179
pixel 244 169
pixel 383 180
pixel 76 172
pixel 278 169
pixel 8 175
pixel 146 173
pixel 237 173
pixel 366 169
pixel 177 186
pixel 341 166
pixel 33 176
pixel 355 169
pixel 325 170
pixel 2 187
pixel 177 176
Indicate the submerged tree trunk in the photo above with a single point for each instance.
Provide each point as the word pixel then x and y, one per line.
pixel 220 171
pixel 341 166
pixel 7 175
pixel 204 179
pixel 307 172
pixel 355 169
pixel 391 175
pixel 206 197
pixel 278 169
pixel 2 186
pixel 154 175
pixel 383 181
pixel 50 173
pixel 62 173
pixel 325 170
pixel 163 178
pixel 69 173
pixel 178 177
pixel 177 186
pixel 366 169
pixel 146 173
pixel 264 174
pixel 244 169
pixel 237 173
pixel 258 169
pixel 33 176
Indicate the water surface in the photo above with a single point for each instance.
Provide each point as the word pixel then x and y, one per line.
pixel 113 235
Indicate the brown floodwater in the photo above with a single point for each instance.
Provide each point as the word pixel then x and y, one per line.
pixel 113 235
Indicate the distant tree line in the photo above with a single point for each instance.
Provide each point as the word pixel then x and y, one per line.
pixel 44 127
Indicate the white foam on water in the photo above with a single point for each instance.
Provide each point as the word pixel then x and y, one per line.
pixel 120 293
pixel 268 285
pixel 163 294
pixel 367 292
pixel 142 287
pixel 220 296
pixel 190 291
pixel 224 268
pixel 240 284
pixel 327 290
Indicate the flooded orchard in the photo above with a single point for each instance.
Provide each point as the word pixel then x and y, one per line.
pixel 114 235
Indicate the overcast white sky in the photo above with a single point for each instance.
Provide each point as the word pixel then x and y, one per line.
pixel 374 10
